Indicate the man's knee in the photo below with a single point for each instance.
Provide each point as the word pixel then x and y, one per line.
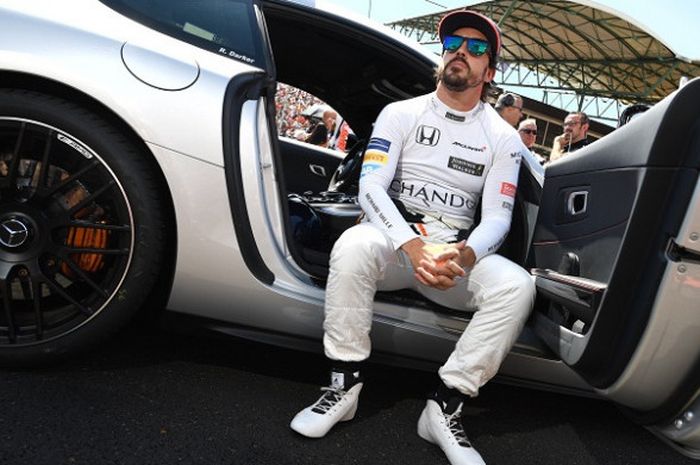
pixel 359 249
pixel 514 285
pixel 522 289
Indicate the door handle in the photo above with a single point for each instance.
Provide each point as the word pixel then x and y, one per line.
pixel 577 203
pixel 318 170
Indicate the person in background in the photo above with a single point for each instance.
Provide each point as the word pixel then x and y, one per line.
pixel 322 131
pixel 528 134
pixel 510 107
pixel 574 137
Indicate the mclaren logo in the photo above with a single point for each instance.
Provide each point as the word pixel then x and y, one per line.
pixel 427 135
pixel 13 233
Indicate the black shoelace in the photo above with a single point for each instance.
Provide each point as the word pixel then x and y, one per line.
pixel 328 400
pixel 454 423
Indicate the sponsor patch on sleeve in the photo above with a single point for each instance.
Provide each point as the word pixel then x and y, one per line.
pixel 376 143
pixel 373 160
pixel 374 156
pixel 368 168
pixel 508 189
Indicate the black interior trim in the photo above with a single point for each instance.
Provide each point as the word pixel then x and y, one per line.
pixel 296 158
pixel 678 253
pixel 581 297
pixel 244 87
pixel 556 224
pixel 411 298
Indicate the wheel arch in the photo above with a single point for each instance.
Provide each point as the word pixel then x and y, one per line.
pixel 40 84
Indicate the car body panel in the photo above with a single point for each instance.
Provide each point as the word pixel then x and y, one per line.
pixel 204 237
pixel 669 344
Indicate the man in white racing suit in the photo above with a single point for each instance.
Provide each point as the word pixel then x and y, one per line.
pixel 429 162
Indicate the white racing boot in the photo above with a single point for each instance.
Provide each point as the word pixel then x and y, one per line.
pixel 338 403
pixel 441 424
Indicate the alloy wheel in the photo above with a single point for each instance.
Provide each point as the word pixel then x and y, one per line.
pixel 66 233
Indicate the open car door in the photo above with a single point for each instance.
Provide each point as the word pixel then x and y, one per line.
pixel 617 255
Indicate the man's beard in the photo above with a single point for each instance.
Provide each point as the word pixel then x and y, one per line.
pixel 455 82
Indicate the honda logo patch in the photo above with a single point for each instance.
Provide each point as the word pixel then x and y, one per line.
pixel 427 135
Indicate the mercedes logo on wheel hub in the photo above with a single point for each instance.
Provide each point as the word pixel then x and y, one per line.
pixel 13 233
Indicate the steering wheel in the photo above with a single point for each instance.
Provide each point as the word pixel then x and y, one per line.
pixel 347 176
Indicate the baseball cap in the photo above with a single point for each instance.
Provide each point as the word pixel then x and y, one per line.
pixel 467 18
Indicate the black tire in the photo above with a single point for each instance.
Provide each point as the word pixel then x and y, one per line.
pixel 94 247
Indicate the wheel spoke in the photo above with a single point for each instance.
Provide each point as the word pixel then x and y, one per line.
pixel 38 316
pixel 76 269
pixel 66 182
pixel 87 200
pixel 44 169
pixel 26 288
pixel 7 307
pixel 109 227
pixel 13 167
pixel 59 290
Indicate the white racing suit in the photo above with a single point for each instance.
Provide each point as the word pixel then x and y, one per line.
pixel 437 163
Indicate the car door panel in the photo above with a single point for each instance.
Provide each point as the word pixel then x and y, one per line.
pixel 629 259
pixel 307 167
pixel 638 183
pixel 594 235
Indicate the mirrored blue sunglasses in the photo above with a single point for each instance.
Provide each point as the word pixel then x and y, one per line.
pixel 476 47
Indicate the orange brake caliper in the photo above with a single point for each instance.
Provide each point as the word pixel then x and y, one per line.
pixel 86 238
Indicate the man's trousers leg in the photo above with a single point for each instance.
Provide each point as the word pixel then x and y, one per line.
pixel 359 260
pixel 502 293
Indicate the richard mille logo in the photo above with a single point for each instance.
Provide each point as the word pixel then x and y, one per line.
pixel 13 233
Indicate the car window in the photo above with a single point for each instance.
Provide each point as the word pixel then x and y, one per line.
pixel 299 115
pixel 226 27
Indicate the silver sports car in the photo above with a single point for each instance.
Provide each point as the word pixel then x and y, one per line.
pixel 140 162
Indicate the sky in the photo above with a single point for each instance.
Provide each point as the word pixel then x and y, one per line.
pixel 673 21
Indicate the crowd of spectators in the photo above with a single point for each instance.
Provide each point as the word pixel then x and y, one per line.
pixel 304 117
pixel 290 103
